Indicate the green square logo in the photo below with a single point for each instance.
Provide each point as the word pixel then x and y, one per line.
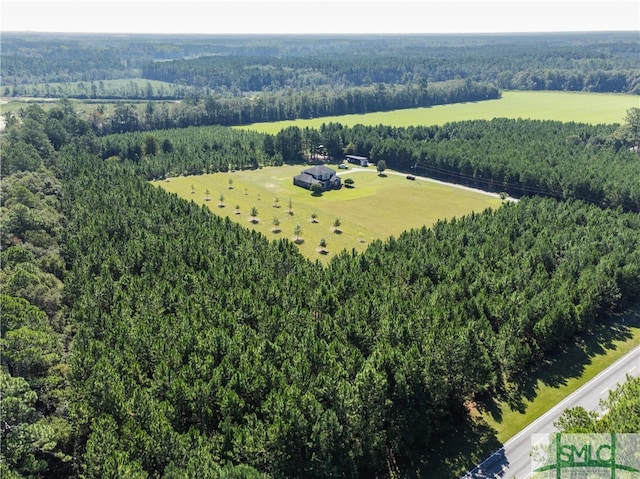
pixel 585 456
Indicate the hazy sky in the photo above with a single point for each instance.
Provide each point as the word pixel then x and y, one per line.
pixel 312 16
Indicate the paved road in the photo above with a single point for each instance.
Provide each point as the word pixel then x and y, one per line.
pixel 512 460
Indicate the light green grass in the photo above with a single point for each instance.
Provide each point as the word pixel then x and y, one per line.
pixel 590 108
pixel 376 208
pixel 582 107
pixel 575 367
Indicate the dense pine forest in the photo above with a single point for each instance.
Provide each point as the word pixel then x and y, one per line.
pixel 597 62
pixel 518 157
pixel 239 80
pixel 144 336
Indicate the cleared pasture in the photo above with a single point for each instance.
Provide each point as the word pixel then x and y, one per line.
pixel 593 108
pixel 375 208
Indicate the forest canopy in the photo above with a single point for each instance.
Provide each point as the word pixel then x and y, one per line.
pixel 596 62
pixel 144 336
pixel 165 341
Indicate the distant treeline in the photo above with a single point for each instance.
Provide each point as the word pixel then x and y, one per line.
pixel 126 89
pixel 285 105
pixel 507 66
pixel 518 157
pixel 233 66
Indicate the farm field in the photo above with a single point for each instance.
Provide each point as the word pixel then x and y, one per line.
pixel 375 208
pixel 593 108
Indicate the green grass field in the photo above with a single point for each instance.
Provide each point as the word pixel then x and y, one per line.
pixel 590 108
pixel 540 105
pixel 375 208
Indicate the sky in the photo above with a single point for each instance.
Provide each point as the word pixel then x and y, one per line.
pixel 314 16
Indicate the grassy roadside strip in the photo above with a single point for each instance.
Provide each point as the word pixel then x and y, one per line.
pixel 600 356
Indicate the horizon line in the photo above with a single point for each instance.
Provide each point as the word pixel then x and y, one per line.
pixel 496 32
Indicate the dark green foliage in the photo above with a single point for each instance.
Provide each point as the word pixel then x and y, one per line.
pixel 621 413
pixel 316 189
pixel 37 438
pixel 201 349
pixel 289 142
pixel 191 151
pixel 301 371
pixel 57 65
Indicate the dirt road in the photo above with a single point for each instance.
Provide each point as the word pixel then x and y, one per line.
pixel 424 178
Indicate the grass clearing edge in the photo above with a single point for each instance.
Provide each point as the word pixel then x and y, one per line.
pixel 547 396
pixel 581 107
pixel 365 212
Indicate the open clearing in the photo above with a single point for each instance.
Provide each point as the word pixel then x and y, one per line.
pixel 590 108
pixel 375 208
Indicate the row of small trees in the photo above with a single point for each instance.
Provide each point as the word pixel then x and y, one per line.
pixel 501 155
pixel 184 342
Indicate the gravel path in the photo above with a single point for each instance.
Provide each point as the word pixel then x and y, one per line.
pixel 424 178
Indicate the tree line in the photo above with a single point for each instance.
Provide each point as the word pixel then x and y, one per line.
pixel 514 156
pixel 183 345
pixel 519 66
pixel 104 90
pixel 283 105
pixel 228 65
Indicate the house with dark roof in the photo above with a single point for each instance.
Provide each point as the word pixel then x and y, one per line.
pixel 318 174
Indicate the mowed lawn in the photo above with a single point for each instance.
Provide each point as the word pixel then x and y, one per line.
pixel 375 208
pixel 593 108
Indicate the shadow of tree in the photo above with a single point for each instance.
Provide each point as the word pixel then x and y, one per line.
pixel 469 440
pixel 467 444
pixel 568 363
